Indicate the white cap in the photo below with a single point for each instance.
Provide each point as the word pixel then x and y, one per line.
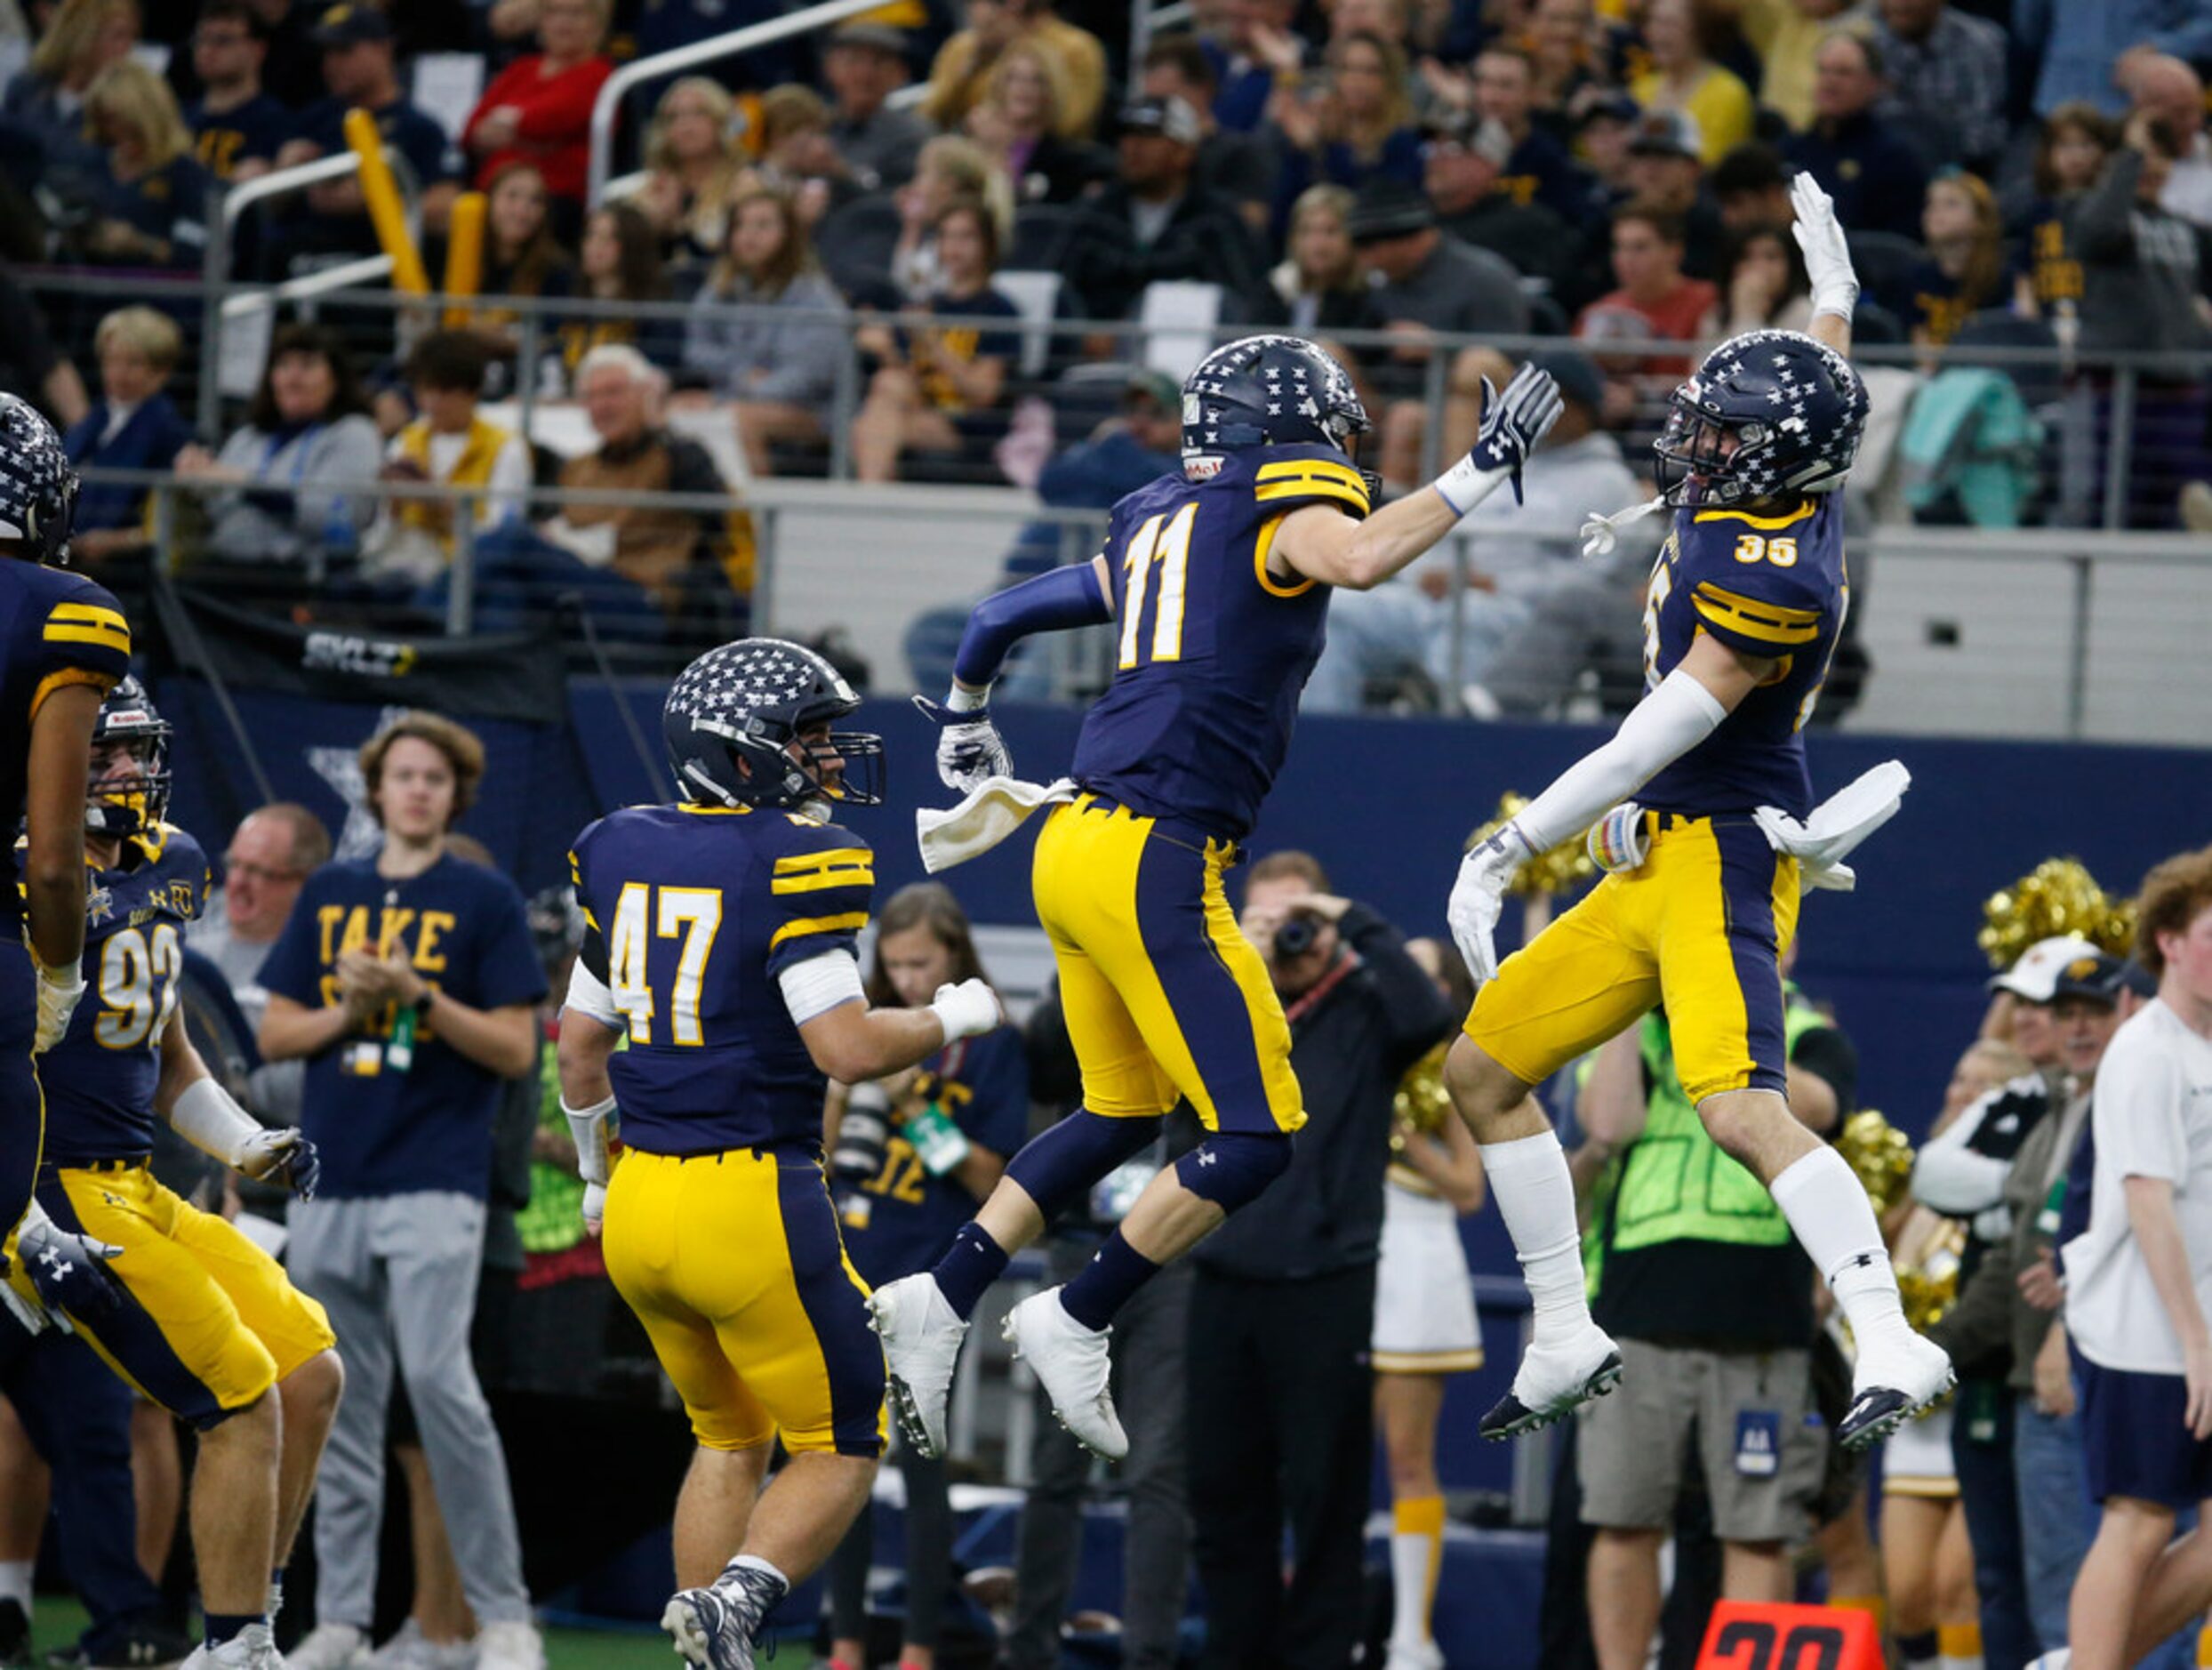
pixel 2035 976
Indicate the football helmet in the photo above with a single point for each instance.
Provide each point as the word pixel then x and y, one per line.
pixel 37 485
pixel 1769 414
pixel 1269 392
pixel 126 806
pixel 747 702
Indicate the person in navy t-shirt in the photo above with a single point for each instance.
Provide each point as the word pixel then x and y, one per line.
pixel 409 984
pixel 913 1154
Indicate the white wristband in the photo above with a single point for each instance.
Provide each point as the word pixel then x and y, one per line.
pixel 961 700
pixel 965 1011
pixel 1464 486
pixel 205 1115
pixel 588 1126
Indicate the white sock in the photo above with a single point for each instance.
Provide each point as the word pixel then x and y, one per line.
pixel 1828 1210
pixel 15 1582
pixel 1416 1550
pixel 1536 1196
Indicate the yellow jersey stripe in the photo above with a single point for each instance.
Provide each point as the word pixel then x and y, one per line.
pixel 116 637
pixel 805 924
pixel 695 809
pixel 844 876
pixel 1268 584
pixel 1769 623
pixel 1769 522
pixel 1353 492
pixel 1294 467
pixel 792 863
pixel 89 613
pixel 53 681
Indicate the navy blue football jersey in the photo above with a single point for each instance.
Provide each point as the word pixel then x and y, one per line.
pixel 693 913
pixel 1212 649
pixel 100 1079
pixel 1770 586
pixel 56 629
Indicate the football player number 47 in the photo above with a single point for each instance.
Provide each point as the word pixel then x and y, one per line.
pixel 642 914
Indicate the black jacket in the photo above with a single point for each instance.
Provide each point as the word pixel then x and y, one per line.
pixel 1205 240
pixel 1349 1050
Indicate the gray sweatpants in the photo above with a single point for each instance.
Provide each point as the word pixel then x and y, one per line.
pixel 400 1271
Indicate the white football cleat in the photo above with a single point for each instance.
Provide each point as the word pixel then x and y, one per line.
pixel 512 1644
pixel 1073 1364
pixel 1892 1381
pixel 1553 1381
pixel 252 1648
pixel 921 1343
pixel 330 1647
pixel 1419 1655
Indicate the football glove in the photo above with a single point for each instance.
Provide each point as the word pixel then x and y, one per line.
pixel 1479 897
pixel 1513 424
pixel 59 990
pixel 1835 286
pixel 283 1156
pixel 970 751
pixel 967 1009
pixel 68 1270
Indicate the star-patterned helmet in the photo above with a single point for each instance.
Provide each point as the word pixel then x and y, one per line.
pixel 1769 414
pixel 37 485
pixel 733 716
pixel 124 806
pixel 1269 392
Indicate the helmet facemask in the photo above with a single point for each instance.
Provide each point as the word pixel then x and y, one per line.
pixel 1697 465
pixel 121 807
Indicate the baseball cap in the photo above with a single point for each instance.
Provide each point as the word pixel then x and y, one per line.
pixel 1576 375
pixel 1616 106
pixel 1667 134
pixel 882 36
pixel 1156 386
pixel 1170 118
pixel 1388 208
pixel 350 23
pixel 2036 975
pixel 2097 976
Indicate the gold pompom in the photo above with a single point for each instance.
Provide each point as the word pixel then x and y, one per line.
pixel 1560 870
pixel 1879 1155
pixel 1422 1103
pixel 2059 896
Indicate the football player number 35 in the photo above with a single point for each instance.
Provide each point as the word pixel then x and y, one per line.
pixel 1166 548
pixel 643 914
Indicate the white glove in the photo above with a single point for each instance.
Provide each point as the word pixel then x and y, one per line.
pixel 1478 897
pixel 594 1208
pixel 1838 826
pixel 970 751
pixel 284 1155
pixel 1513 425
pixel 59 990
pixel 966 1010
pixel 1835 286
pixel 1816 868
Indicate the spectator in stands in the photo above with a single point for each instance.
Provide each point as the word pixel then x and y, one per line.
pixel 795 153
pixel 237 129
pixel 356 39
pixel 1537 169
pixel 619 260
pixel 272 852
pixel 1353 127
pixel 1320 280
pixel 1655 302
pixel 1016 121
pixel 288 491
pixel 1965 271
pixel 1946 72
pixel 1683 77
pixel 30 366
pixel 1750 188
pixel 1280 1431
pixel 693 168
pixel 45 101
pixel 865 64
pixel 1877 181
pixel 2070 156
pixel 950 165
pixel 911 1156
pixel 1253 46
pixel 1461 173
pixel 1603 133
pixel 150 209
pixel 2172 92
pixel 134 425
pixel 450 443
pixel 2090 52
pixel 1763 286
pixel 1566 62
pixel 1426 285
pixel 1154 221
pixel 405 1076
pixel 1786 35
pixel 941 388
pixel 964 62
pixel 781 372
pixel 1663 173
pixel 538 109
pixel 1239 166
pixel 522 255
pixel 693 563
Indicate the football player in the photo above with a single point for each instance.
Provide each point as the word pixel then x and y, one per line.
pixel 1746 602
pixel 719 938
pixel 63 644
pixel 1220 577
pixel 206 1324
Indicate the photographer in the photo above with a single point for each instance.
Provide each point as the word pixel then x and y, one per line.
pixel 1284 1303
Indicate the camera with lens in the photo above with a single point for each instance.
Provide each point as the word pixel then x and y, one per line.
pixel 863 1134
pixel 1295 937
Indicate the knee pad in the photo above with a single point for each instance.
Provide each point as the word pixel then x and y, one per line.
pixel 1057 1167
pixel 1232 1167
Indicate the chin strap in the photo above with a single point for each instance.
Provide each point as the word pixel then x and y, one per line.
pixel 1600 532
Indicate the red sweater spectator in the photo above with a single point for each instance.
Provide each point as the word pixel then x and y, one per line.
pixel 538 110
pixel 1654 302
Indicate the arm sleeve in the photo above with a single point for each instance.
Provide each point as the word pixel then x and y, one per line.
pixel 818 892
pixel 1050 602
pixel 1658 730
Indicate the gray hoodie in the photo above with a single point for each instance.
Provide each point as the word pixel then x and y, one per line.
pixel 766 358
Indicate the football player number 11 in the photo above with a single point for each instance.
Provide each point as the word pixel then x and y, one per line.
pixel 643 914
pixel 1168 548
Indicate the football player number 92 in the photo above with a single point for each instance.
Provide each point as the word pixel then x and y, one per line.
pixel 1171 550
pixel 642 914
pixel 138 985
